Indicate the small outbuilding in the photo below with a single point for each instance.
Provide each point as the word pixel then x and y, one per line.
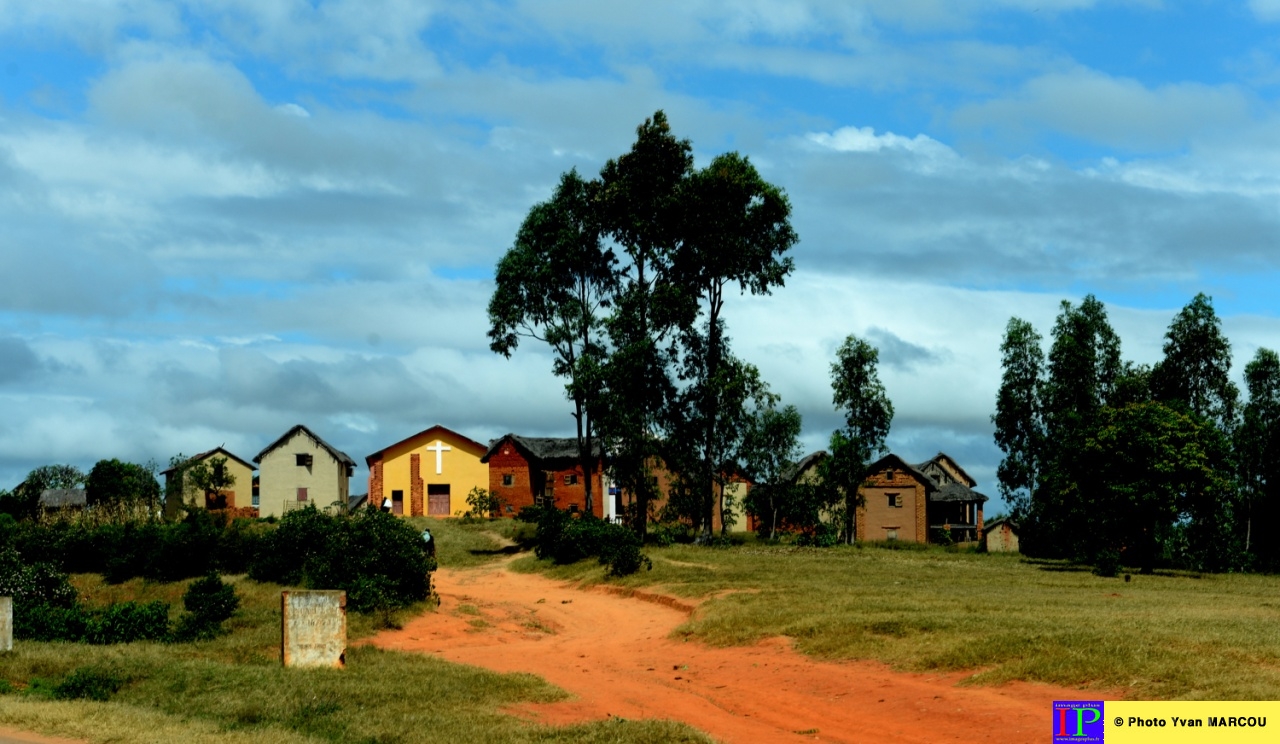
pixel 1001 536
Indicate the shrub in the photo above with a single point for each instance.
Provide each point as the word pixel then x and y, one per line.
pixel 821 535
pixel 126 622
pixel 564 538
pixel 1107 564
pixel 88 683
pixel 44 622
pixel 378 559
pixel 208 601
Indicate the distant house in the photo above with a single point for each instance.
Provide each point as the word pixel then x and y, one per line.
pixel 56 499
pixel 1001 536
pixel 301 469
pixel 239 496
pixel 918 503
pixel 429 473
pixel 536 471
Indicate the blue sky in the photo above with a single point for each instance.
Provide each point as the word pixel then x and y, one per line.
pixel 225 219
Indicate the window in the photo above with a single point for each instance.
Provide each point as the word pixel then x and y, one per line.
pixel 895 500
pixel 571 479
pixel 302 494
pixel 255 500
pixel 891 534
pixel 303 460
pixel 508 479
pixel 217 471
pixel 888 474
pixel 573 508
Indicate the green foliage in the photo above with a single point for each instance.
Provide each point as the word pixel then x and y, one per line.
pixel 89 683
pixel 1257 448
pixel 209 601
pixel 378 559
pixel 24 501
pixel 122 490
pixel 1018 419
pixel 126 622
pixel 483 503
pixel 565 538
pixel 195 480
pixel 770 447
pixel 860 396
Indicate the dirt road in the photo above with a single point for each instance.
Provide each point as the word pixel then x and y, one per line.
pixel 613 653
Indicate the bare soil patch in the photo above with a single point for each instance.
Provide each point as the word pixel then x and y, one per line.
pixel 612 650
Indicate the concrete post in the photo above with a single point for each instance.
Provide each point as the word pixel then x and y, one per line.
pixel 313 628
pixel 6 624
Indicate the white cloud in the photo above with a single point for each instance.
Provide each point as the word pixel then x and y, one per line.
pixel 1113 111
pixel 1265 10
pixel 865 139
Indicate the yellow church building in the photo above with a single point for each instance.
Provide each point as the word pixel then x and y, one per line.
pixel 433 471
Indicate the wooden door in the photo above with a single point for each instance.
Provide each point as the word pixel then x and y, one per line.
pixel 438 500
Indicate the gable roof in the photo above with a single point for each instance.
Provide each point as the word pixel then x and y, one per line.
pixel 946 492
pixel 940 457
pixel 893 461
pixel 338 454
pixel 429 430
pixel 997 522
pixel 209 453
pixel 791 474
pixel 542 448
pixel 56 498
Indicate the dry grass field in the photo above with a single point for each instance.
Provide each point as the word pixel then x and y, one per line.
pixel 233 689
pixel 1166 636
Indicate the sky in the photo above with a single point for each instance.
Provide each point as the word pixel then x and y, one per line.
pixel 224 219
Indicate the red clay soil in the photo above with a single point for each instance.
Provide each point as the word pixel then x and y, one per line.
pixel 614 655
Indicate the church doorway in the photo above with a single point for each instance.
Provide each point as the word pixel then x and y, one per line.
pixel 438 500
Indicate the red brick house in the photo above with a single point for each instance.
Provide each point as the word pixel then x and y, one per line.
pixel 530 471
pixel 915 503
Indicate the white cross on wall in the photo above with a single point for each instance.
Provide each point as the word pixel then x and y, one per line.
pixel 439 448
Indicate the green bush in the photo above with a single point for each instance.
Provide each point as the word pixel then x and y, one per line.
pixel 126 622
pixel 1107 564
pixel 88 683
pixel 566 538
pixel 378 559
pixel 209 601
pixel 822 535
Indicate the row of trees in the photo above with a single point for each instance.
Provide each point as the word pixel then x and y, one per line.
pixel 625 276
pixel 118 491
pixel 1106 460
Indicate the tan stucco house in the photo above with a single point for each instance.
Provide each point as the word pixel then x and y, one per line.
pixel 238 496
pixel 301 469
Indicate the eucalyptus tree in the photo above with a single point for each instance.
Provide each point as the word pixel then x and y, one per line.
pixel 736 230
pixel 553 285
pixel 1196 369
pixel 1195 375
pixel 858 393
pixel 640 209
pixel 1018 419
pixel 1083 369
pixel 1257 445
pixel 702 471
pixel 769 450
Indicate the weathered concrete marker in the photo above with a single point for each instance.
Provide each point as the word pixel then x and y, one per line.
pixel 6 624
pixel 313 629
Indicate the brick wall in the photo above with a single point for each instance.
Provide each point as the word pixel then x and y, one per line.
pixel 527 482
pixel 415 485
pixel 875 515
pixel 375 483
